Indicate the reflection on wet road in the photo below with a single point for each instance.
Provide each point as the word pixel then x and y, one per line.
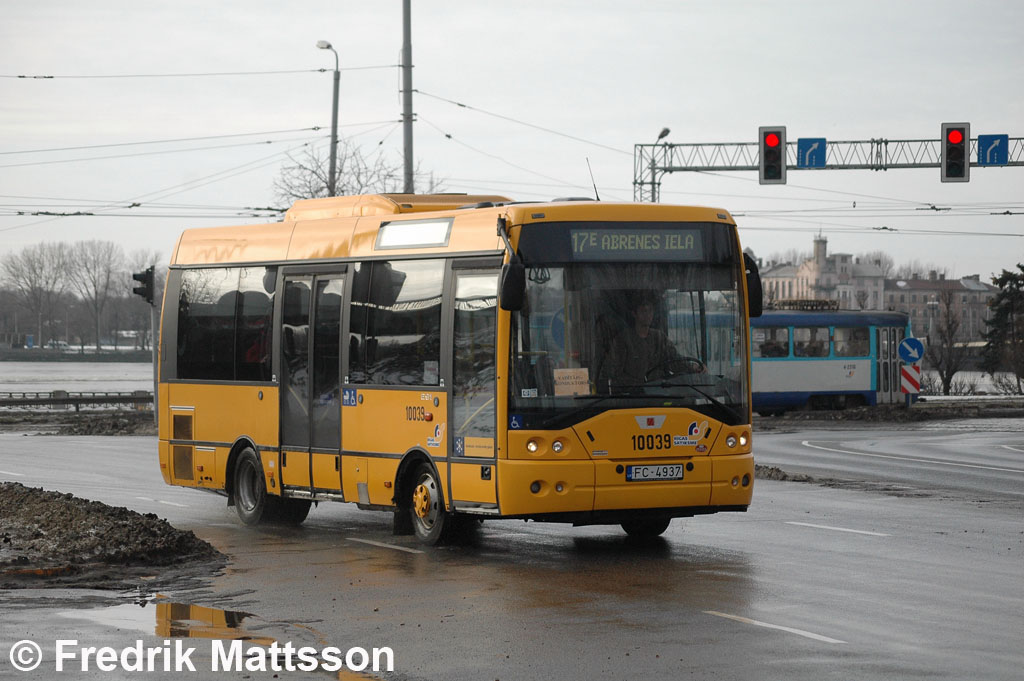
pixel 814 581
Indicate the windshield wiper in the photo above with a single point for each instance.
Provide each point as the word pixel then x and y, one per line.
pixel 593 401
pixel 722 407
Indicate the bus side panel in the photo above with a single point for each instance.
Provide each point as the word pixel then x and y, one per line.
pixel 471 483
pixel 164 452
pixel 214 416
pixel 381 481
pixel 392 422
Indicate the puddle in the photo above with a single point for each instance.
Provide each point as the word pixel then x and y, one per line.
pixel 173 620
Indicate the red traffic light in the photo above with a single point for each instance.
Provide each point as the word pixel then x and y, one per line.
pixel 955 136
pixel 771 140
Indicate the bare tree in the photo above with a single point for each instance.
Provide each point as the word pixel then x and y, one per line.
pixel 944 353
pixel 862 299
pixel 922 270
pixel 883 260
pixel 97 269
pixel 38 275
pixel 305 176
pixel 792 256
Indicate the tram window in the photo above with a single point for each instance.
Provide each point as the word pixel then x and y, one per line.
pixel 810 341
pixel 770 342
pixel 852 341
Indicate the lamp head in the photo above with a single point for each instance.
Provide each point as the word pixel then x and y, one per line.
pixel 323 44
pixel 663 134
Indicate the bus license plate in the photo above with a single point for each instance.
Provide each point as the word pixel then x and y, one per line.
pixel 640 473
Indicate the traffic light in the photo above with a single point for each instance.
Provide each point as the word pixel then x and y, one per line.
pixel 955 144
pixel 771 142
pixel 145 278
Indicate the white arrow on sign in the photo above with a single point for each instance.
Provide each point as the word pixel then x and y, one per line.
pixel 807 156
pixel 992 147
pixel 912 351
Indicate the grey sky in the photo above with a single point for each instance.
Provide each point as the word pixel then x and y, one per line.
pixel 611 72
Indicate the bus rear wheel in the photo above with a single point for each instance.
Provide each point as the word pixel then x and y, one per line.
pixel 646 528
pixel 293 511
pixel 430 520
pixel 252 503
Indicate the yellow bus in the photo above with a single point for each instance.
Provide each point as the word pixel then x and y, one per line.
pixel 454 358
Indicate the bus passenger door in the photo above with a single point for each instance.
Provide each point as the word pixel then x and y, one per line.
pixel 473 415
pixel 310 384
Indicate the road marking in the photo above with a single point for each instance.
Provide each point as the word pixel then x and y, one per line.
pixel 145 499
pixel 839 529
pixel 171 503
pixel 798 632
pixel 1013 448
pixel 807 443
pixel 385 546
pixel 17 475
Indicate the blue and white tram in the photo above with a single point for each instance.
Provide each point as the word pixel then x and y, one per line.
pixel 825 360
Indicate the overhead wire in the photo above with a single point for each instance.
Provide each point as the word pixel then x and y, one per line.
pixel 193 75
pixel 524 123
pixel 315 128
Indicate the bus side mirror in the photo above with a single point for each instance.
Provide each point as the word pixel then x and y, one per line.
pixel 755 296
pixel 513 285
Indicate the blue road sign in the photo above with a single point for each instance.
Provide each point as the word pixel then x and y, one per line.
pixel 810 152
pixel 911 350
pixel 993 150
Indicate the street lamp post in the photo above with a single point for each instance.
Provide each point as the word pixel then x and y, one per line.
pixel 654 153
pixel 324 45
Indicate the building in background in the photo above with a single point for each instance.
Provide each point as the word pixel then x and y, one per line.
pixel 924 299
pixel 849 283
pixel 839 277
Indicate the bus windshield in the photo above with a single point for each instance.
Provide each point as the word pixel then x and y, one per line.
pixel 594 336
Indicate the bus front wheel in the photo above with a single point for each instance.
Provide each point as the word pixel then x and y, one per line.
pixel 252 503
pixel 429 518
pixel 646 528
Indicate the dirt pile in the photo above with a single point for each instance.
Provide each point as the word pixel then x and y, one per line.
pixel 116 423
pixel 67 422
pixel 46 534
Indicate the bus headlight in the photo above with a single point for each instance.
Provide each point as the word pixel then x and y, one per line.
pixel 532 446
pixel 557 446
pixel 743 440
pixel 731 441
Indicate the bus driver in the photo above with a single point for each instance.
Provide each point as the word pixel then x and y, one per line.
pixel 640 352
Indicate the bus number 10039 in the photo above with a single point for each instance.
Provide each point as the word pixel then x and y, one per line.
pixel 653 441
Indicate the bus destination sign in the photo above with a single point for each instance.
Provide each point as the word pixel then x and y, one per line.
pixel 637 244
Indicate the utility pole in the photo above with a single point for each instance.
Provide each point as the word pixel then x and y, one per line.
pixel 407 92
pixel 331 173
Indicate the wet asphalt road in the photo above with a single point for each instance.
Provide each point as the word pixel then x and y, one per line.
pixel 913 567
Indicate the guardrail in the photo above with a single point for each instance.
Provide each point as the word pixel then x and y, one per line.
pixel 62 399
